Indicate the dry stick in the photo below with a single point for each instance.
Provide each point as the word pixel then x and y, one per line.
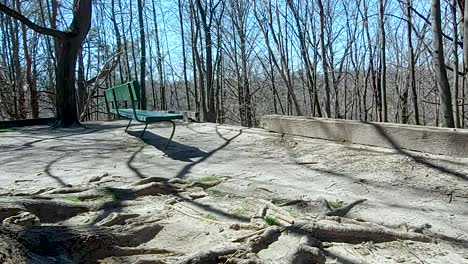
pixel 241 238
pixel 285 218
pixel 274 207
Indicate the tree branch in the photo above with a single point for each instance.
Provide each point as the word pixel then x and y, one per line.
pixel 42 30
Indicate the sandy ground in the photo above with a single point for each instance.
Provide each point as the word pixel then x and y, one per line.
pixel 412 188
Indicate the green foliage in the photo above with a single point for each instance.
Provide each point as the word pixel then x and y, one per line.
pixel 215 192
pixel 210 217
pixel 242 211
pixel 73 199
pixel 207 179
pixel 336 204
pixel 272 221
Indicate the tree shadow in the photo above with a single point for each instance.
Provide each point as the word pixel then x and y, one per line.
pixel 49 173
pixel 175 150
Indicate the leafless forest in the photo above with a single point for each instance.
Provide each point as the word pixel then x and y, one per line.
pixel 401 61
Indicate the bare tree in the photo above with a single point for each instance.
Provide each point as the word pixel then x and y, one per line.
pixel 69 45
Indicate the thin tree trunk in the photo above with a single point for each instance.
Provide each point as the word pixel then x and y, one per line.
pixel 455 65
pixel 412 63
pixel 159 62
pixel 142 56
pixel 383 70
pixel 184 56
pixel 465 60
pixel 125 47
pixel 439 65
pixel 118 39
pixel 325 67
pixel 30 80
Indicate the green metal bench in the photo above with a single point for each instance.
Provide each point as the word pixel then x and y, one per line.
pixel 124 101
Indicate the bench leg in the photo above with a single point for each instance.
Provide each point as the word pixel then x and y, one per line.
pixel 172 134
pixel 128 125
pixel 144 130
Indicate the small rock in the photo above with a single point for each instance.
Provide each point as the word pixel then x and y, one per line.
pixel 221 229
pixel 235 226
pixel 400 260
pixel 98 178
pixel 23 219
pixel 170 201
pixel 197 195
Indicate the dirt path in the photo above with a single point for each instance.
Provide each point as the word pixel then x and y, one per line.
pixel 251 165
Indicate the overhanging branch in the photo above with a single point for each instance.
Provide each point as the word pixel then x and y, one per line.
pixel 42 30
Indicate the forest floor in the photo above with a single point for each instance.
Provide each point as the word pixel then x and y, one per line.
pixel 206 190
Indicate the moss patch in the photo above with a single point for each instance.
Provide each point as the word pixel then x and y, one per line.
pixel 336 204
pixel 73 199
pixel 272 221
pixel 210 217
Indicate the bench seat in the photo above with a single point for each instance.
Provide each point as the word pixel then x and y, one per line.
pixel 128 95
pixel 146 116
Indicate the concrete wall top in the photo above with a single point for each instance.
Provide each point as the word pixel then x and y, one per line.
pixel 446 141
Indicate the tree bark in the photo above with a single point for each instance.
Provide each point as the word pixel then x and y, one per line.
pixel 412 63
pixel 383 70
pixel 326 81
pixel 162 82
pixel 439 65
pixel 455 65
pixel 30 79
pixel 142 56
pixel 184 56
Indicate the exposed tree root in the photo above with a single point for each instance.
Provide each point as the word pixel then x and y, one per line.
pixel 73 244
pixel 332 231
pixel 254 245
pixel 343 211
pixel 48 211
pixel 332 228
pixel 121 234
pixel 116 219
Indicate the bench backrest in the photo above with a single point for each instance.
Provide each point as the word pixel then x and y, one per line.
pixel 126 95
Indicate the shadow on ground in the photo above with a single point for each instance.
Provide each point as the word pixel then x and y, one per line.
pixel 420 160
pixel 175 150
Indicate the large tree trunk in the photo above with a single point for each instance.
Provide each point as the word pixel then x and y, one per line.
pixel 70 45
pixel 67 114
pixel 439 65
